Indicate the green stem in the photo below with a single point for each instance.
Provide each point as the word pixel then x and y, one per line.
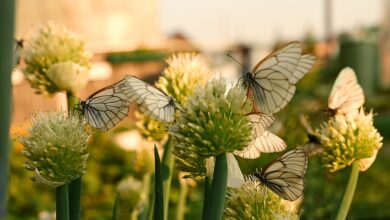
pixel 181 205
pixel 158 188
pixel 7 14
pixel 62 205
pixel 206 195
pixel 216 200
pixel 74 187
pixel 349 192
pixel 71 101
pixel 168 161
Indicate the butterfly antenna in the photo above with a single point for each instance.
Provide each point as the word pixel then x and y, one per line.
pixel 227 54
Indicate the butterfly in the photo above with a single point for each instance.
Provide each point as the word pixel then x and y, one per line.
pixel 152 101
pixel 272 81
pixel 346 94
pixel 263 141
pixel 106 107
pixel 285 175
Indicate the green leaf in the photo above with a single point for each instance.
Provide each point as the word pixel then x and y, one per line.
pixel 158 188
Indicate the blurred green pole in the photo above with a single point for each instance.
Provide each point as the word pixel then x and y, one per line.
pixel 74 187
pixel 181 204
pixel 7 13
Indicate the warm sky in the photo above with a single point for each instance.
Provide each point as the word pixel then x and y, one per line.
pixel 259 21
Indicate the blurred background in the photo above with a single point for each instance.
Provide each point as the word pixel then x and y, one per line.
pixel 134 37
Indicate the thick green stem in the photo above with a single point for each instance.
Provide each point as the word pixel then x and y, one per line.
pixel 74 187
pixel 216 200
pixel 168 161
pixel 206 195
pixel 349 192
pixel 181 205
pixel 62 203
pixel 158 188
pixel 7 13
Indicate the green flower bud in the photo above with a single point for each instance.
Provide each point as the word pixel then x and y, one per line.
pixel 253 201
pixel 56 147
pixel 211 122
pixel 184 72
pixel 349 137
pixel 52 45
pixel 68 76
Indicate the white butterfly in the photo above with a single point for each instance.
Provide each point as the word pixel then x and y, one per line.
pixel 346 94
pixel 152 101
pixel 272 81
pixel 285 175
pixel 106 107
pixel 263 141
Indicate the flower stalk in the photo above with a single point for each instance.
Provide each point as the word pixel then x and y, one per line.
pixel 181 205
pixel 206 195
pixel 215 206
pixel 7 12
pixel 349 192
pixel 62 205
pixel 74 187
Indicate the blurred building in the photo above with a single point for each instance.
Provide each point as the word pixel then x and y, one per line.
pixel 109 25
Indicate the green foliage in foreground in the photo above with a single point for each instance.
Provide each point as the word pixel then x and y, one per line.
pixel 110 164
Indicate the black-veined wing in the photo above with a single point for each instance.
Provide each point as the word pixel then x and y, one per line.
pixel 267 142
pixel 272 81
pixel 285 175
pixel 106 107
pixel 263 141
pixel 151 100
pixel 346 94
pixel 260 122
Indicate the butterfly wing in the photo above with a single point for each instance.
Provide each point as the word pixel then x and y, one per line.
pixel 285 175
pixel 106 107
pixel 346 94
pixel 274 78
pixel 260 122
pixel 151 100
pixel 262 140
pixel 267 142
